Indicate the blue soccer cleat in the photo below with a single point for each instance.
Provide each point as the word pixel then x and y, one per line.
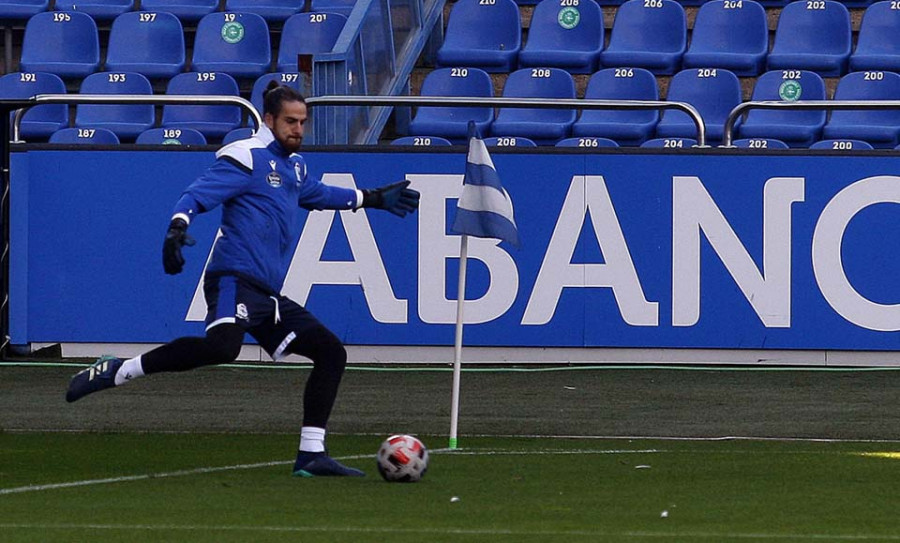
pixel 98 376
pixel 321 465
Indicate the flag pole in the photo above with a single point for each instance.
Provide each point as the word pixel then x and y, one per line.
pixel 457 345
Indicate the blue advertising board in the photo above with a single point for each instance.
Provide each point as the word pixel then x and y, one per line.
pixel 716 250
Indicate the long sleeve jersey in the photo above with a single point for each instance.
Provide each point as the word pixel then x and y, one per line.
pixel 261 188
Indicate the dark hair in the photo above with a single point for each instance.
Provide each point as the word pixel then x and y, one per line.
pixel 276 94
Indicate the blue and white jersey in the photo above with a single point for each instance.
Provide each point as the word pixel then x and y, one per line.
pixel 261 189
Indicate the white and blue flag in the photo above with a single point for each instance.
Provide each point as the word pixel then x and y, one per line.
pixel 484 209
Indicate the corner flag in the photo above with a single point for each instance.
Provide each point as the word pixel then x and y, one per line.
pixel 484 209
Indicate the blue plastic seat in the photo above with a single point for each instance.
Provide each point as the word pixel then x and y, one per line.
pixel 627 127
pixel 797 128
pixel 234 43
pixel 64 43
pixel 100 10
pixel 842 145
pixel 452 122
pixel 39 122
pixel 149 43
pixel 344 7
pixel 654 38
pixel 878 46
pixel 237 134
pixel 422 141
pixel 714 92
pixel 212 121
pixel 185 10
pixel 22 9
pixel 588 142
pixel 307 34
pixel 669 143
pixel 508 141
pixel 171 136
pixel 483 35
pixel 291 79
pixel 760 143
pixel 88 136
pixel 880 127
pixel 126 121
pixel 564 36
pixel 812 36
pixel 543 126
pixel 273 11
pixel 730 35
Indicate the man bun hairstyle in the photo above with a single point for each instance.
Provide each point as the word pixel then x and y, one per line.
pixel 276 94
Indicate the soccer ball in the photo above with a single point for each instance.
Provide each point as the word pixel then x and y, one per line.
pixel 402 459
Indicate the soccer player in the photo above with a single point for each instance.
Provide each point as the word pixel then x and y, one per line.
pixel 261 183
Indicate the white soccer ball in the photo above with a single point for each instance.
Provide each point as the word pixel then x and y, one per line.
pixel 402 459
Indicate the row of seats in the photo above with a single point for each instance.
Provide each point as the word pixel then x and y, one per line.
pixel 66 43
pixel 668 143
pixel 186 10
pixel 811 35
pixel 152 136
pixel 713 92
pixel 127 122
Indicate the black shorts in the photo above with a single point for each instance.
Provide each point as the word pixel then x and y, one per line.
pixel 272 319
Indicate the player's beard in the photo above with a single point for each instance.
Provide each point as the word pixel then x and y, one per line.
pixel 291 145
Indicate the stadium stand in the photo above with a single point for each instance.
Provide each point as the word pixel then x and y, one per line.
pixel 307 34
pixel 626 127
pixel 234 43
pixel 842 145
pixel 795 127
pixel 149 43
pixel 422 141
pixel 171 136
pixel 482 35
pixel 39 122
pixel 185 10
pixel 127 121
pixel 880 128
pixel 292 80
pixel 507 141
pixel 760 143
pixel 669 143
pixel 237 134
pixel 212 121
pixel 100 10
pixel 563 36
pixel 730 35
pixel 714 92
pixel 878 45
pixel 651 35
pixel 22 9
pixel 273 11
pixel 543 126
pixel 452 122
pixel 87 136
pixel 587 141
pixel 813 36
pixel 65 43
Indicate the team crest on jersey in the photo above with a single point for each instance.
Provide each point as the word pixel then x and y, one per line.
pixel 241 312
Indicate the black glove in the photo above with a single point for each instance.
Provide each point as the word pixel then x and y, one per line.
pixel 395 198
pixel 176 238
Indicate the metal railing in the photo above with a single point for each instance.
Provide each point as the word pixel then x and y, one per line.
pixel 534 103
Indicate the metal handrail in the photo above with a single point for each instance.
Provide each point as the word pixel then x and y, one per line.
pixel 175 99
pixel 537 103
pixel 739 110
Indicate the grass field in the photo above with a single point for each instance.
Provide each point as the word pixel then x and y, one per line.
pixel 201 460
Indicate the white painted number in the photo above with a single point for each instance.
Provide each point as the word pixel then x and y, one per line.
pixel 758 144
pixel 815 4
pixel 732 4
pixel 289 78
pixel 842 145
pixel 895 4
pixel 653 3
pixel 86 132
pixel 206 76
pixel 673 143
pixel 27 77
pixel 229 17
pixel 171 133
pixel 318 17
pixel 147 17
pixel 568 3
pixel 791 74
pixel 624 72
pixel 506 142
pixel 422 141
pixel 459 72
pixel 61 17
pixel 115 78
pixel 540 72
pixel 707 72
pixel 486 2
pixel 587 142
pixel 873 76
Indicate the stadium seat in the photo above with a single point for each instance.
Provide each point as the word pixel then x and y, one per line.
pixel 647 37
pixel 422 141
pixel 878 46
pixel 171 136
pixel 186 10
pixel 627 127
pixel 89 136
pixel 22 9
pixel 234 43
pixel 344 7
pixel 483 35
pixel 812 36
pixel 307 34
pixel 126 121
pixel 842 145
pixel 65 43
pixel 588 142
pixel 669 143
pixel 879 127
pixel 564 36
pixel 760 143
pixel 730 35
pixel 39 122
pixel 507 141
pixel 212 121
pixel 273 11
pixel 100 10
pixel 543 126
pixel 292 80
pixel 452 122
pixel 237 134
pixel 149 43
pixel 714 92
pixel 797 128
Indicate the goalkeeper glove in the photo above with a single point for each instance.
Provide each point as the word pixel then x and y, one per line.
pixel 176 238
pixel 396 198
